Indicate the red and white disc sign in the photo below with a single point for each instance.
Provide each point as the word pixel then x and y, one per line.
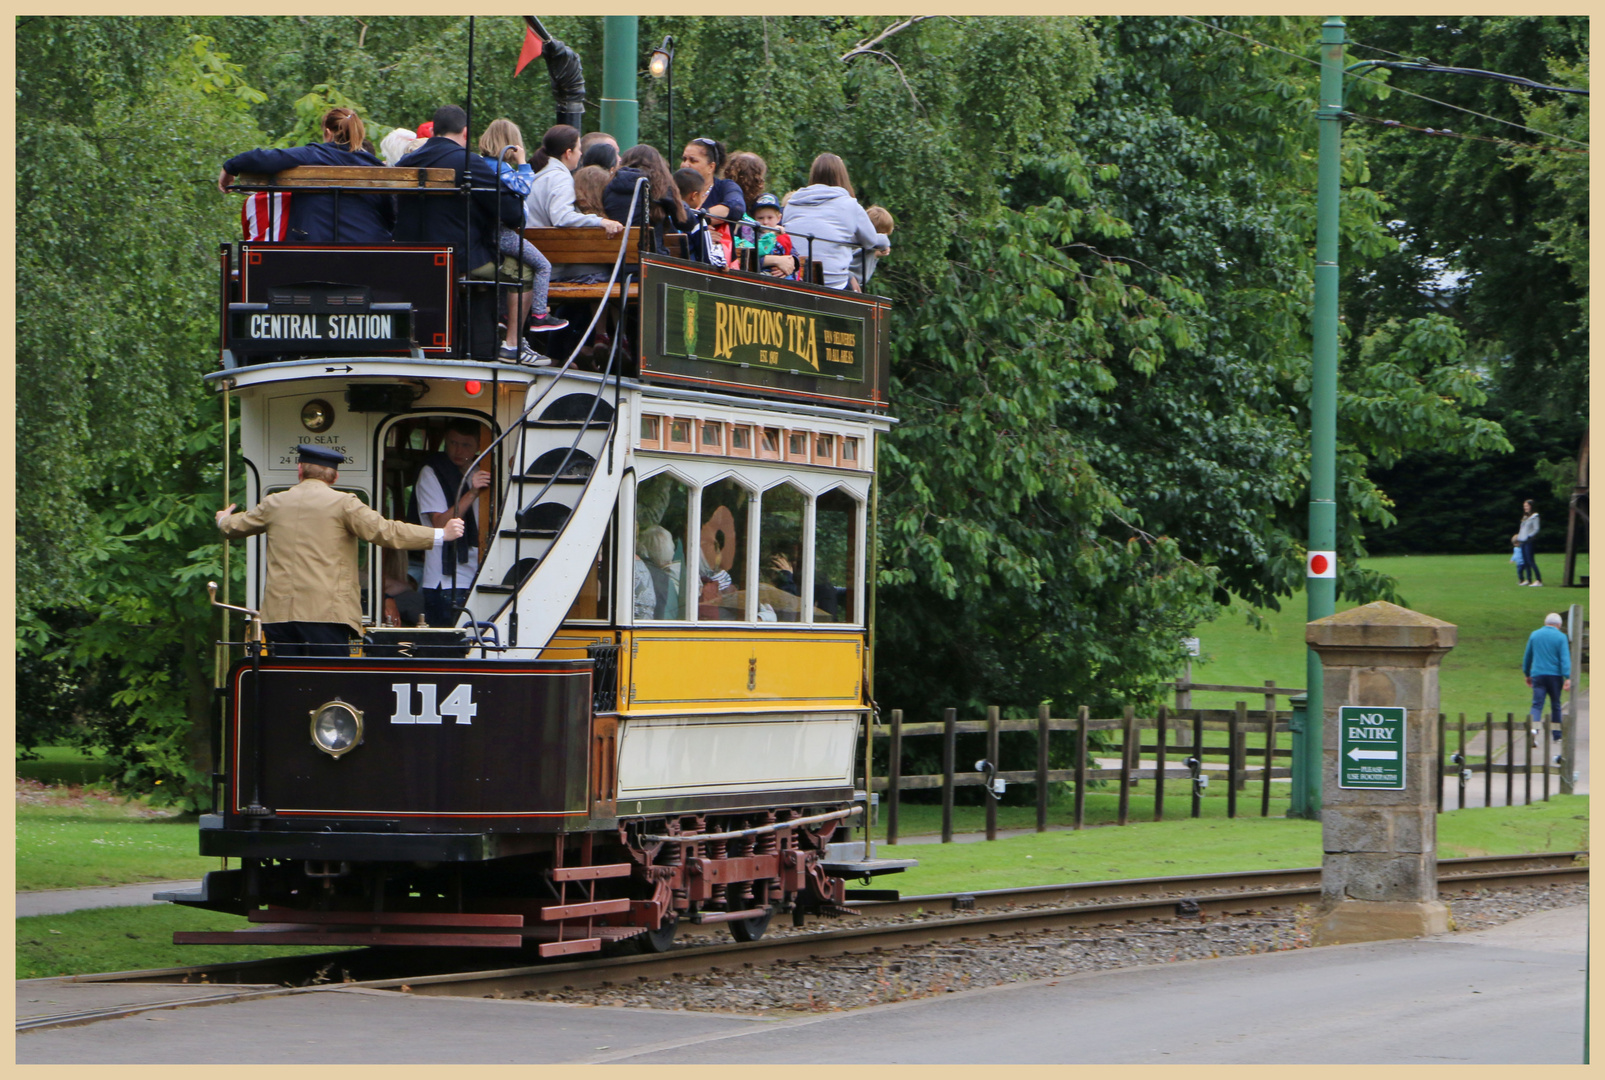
pixel 1323 564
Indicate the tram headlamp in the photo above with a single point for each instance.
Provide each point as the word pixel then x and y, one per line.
pixel 317 415
pixel 336 728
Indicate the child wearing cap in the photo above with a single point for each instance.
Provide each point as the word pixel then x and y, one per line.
pixel 774 246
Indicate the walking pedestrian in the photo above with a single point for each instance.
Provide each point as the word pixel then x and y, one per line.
pixel 1526 539
pixel 1547 664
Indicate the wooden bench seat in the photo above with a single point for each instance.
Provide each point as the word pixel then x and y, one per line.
pixel 350 176
pixel 591 245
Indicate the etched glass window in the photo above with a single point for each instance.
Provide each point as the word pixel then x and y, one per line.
pixel 780 547
pixel 836 558
pixel 661 505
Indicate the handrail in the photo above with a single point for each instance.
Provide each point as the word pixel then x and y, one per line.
pixel 518 424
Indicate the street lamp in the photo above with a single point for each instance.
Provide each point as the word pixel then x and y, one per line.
pixel 660 66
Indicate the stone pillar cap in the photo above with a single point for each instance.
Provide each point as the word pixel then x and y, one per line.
pixel 1381 625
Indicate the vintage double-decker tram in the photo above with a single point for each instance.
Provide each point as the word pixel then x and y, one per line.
pixel 648 707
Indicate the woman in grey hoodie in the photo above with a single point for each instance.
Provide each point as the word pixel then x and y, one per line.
pixel 827 212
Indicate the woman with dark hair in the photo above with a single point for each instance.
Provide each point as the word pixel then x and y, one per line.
pixel 1525 540
pixel 827 224
pixel 363 218
pixel 722 200
pixel 602 154
pixel 550 204
pixel 667 211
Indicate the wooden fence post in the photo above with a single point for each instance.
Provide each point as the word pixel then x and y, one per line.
pixel 1527 768
pixel 950 718
pixel 1126 727
pixel 1198 752
pixel 1233 734
pixel 1159 764
pixel 1270 753
pixel 1459 783
pixel 1510 759
pixel 894 775
pixel 1081 769
pixel 1042 767
pixel 1443 749
pixel 992 756
pixel 1488 761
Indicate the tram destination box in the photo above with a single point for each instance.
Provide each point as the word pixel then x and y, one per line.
pixel 335 300
pixel 793 342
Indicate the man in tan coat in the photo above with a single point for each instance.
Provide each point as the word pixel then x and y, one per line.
pixel 313 597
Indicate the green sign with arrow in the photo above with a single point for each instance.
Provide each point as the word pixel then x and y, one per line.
pixel 1371 747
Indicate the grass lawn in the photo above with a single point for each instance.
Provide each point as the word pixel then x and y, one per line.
pixel 1478 593
pixel 128 939
pixel 1206 845
pixel 69 842
pixel 63 765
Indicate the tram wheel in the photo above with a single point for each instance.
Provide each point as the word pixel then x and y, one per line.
pixel 751 929
pixel 661 939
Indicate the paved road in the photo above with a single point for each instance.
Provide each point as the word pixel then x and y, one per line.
pixel 1509 995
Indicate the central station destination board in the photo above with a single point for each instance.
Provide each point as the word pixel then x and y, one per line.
pixel 1371 747
pixel 737 333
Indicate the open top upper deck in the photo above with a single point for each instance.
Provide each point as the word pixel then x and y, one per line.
pixel 685 323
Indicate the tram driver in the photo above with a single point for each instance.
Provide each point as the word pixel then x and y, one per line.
pixel 443 496
pixel 311 603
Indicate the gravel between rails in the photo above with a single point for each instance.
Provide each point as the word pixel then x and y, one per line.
pixel 795 988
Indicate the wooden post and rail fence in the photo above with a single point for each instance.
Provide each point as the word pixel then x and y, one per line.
pixel 1175 740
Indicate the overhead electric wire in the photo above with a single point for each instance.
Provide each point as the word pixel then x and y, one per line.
pixel 1445 132
pixel 1379 82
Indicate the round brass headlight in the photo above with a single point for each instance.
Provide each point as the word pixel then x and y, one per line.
pixel 317 415
pixel 336 728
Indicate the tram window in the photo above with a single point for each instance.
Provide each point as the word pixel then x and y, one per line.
pixel 661 503
pixel 741 440
pixel 780 544
pixel 823 445
pixel 836 558
pixel 722 544
pixel 797 446
pixel 712 438
pixel 769 443
pixel 849 451
pixel 650 426
pixel 591 604
pixel 680 435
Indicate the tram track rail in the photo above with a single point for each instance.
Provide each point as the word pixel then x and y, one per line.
pixel 922 920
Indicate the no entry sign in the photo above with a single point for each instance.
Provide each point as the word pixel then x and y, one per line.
pixel 1371 747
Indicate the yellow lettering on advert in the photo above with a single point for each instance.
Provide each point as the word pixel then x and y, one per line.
pixel 721 330
pixel 811 355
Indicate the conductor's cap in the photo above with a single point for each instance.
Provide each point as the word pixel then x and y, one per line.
pixel 307 454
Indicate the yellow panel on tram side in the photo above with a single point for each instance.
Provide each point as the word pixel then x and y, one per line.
pixel 693 670
pixel 571 642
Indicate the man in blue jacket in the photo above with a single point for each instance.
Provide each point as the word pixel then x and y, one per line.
pixel 439 219
pixel 1548 667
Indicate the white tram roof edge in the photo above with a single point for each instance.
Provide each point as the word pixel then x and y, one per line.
pixel 352 367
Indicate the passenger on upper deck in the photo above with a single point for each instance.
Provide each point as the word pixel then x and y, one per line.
pixel 749 171
pixel 439 219
pixel 827 224
pixel 550 204
pixel 502 145
pixel 364 218
pixel 667 211
pixel 723 202
pixel 604 154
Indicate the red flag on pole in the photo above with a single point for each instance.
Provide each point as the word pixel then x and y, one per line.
pixel 531 49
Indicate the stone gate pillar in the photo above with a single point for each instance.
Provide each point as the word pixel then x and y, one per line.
pixel 1379 830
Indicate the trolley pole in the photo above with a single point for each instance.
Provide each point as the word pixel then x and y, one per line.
pixel 621 112
pixel 1320 581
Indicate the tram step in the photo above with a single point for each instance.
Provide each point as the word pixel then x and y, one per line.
pixel 550 479
pixel 567 425
pixel 591 873
pixel 300 934
pixel 514 577
pixel 565 948
pixel 579 406
pixel 528 534
pixel 381 918
pixel 591 909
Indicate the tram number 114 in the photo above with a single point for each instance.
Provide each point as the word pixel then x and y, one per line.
pixel 459 704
